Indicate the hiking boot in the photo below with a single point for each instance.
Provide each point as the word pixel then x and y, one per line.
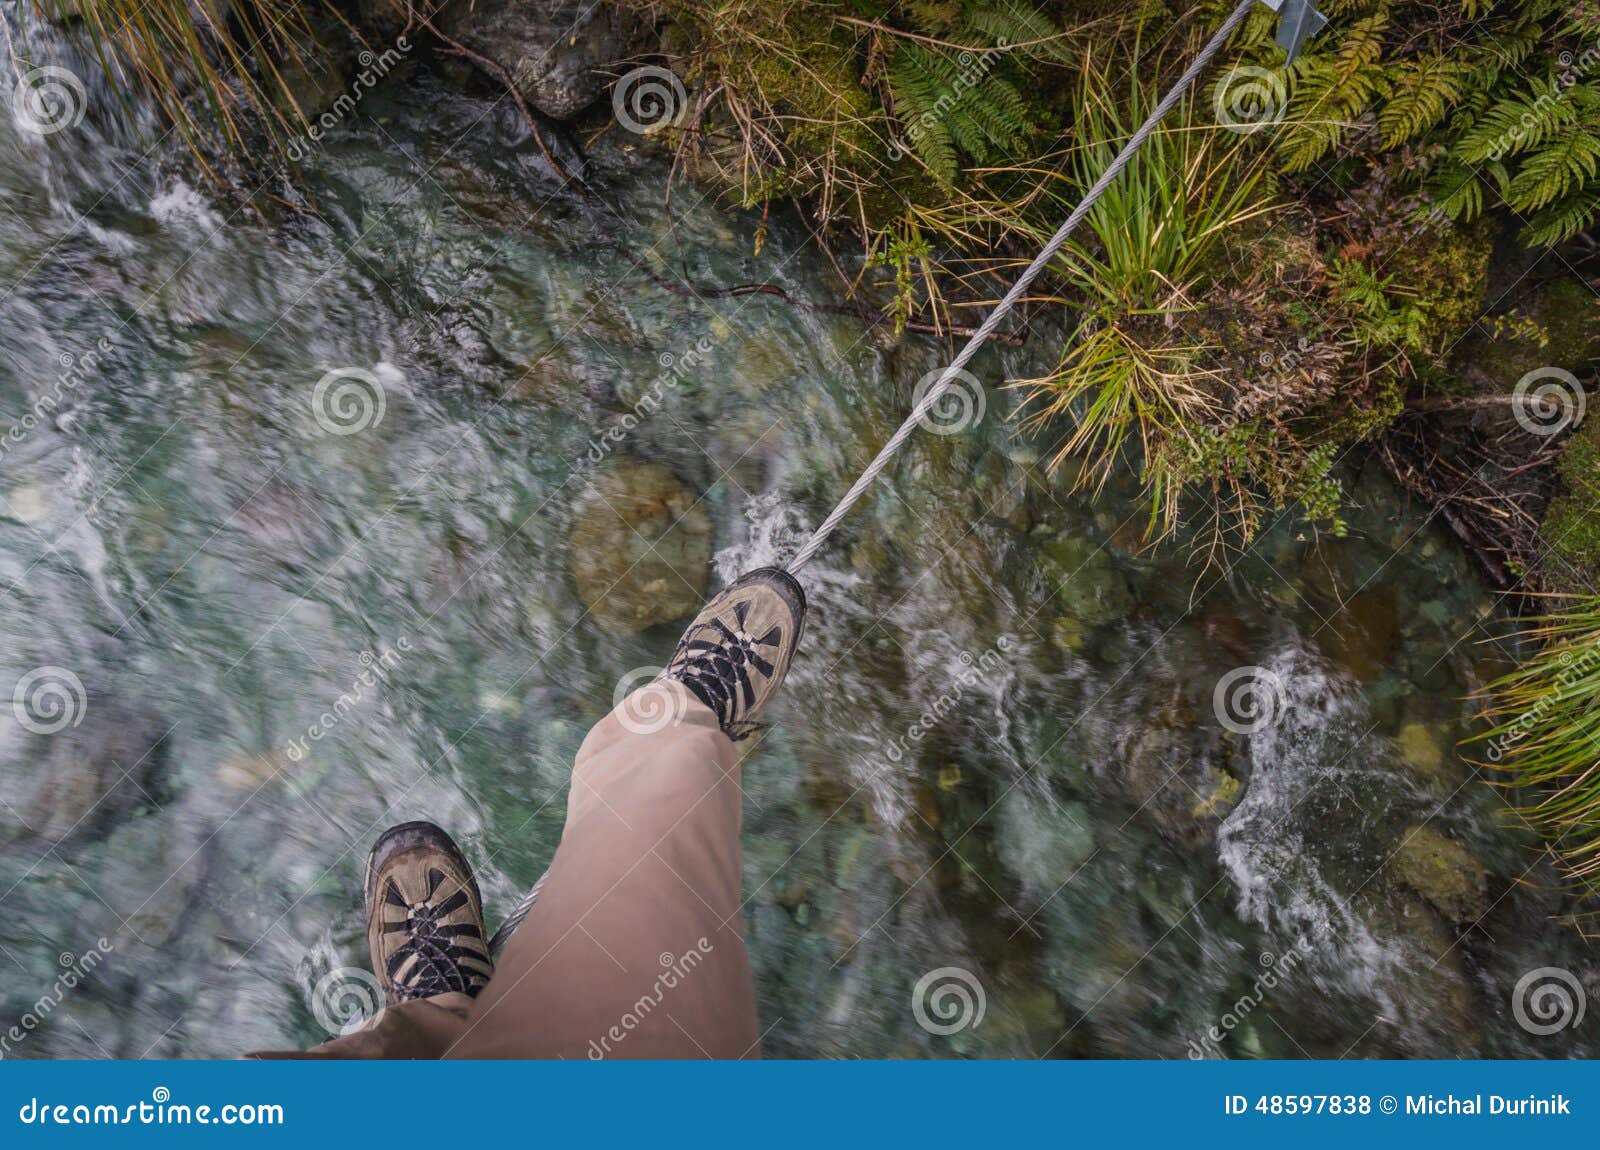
pixel 424 915
pixel 736 652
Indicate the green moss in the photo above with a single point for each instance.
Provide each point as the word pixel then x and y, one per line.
pixel 1569 313
pixel 1449 272
pixel 1557 325
pixel 1353 424
pixel 1572 524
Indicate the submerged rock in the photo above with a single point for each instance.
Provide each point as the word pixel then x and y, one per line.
pixel 1042 840
pixel 1088 584
pixel 1068 634
pixel 641 548
pixel 92 776
pixel 1444 872
pixel 1222 628
pixel 1170 778
pixel 1360 636
pixel 1422 749
pixel 1424 994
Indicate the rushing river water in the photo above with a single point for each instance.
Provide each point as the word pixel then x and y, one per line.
pixel 999 751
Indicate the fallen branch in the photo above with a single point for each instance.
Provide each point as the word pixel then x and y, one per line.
pixel 1470 402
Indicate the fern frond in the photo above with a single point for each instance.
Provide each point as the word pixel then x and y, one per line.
pixel 1456 190
pixel 916 101
pixel 1558 224
pixel 1547 175
pixel 953 104
pixel 1010 24
pixel 1419 96
pixel 1517 123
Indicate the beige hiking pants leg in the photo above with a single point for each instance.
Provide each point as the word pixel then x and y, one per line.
pixel 635 948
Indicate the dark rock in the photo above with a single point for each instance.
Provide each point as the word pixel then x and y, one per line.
pixel 558 50
pixel 1223 629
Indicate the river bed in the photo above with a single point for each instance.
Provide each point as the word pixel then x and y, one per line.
pixel 406 433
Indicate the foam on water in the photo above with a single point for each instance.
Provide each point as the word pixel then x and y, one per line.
pixel 1280 852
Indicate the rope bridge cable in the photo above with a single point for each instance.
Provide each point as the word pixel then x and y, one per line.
pixel 947 378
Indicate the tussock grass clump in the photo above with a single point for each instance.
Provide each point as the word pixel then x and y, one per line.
pixel 1132 369
pixel 1545 737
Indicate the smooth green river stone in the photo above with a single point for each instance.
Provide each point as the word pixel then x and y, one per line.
pixel 1090 586
pixel 641 548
